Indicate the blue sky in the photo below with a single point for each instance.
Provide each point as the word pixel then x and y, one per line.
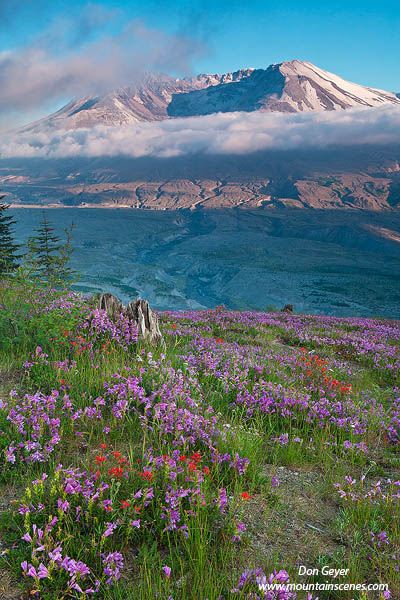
pixel 357 40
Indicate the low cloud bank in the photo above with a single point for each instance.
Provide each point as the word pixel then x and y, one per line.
pixel 229 133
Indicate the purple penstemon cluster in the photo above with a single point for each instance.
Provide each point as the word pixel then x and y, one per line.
pixel 240 527
pixel 76 496
pixel 244 372
pixel 98 326
pixel 385 492
pixel 47 556
pixel 113 563
pixel 372 341
pixel 253 583
pixel 171 413
pixel 35 420
pixel 379 539
pixel 76 571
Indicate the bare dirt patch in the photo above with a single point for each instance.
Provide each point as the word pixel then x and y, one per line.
pixel 291 525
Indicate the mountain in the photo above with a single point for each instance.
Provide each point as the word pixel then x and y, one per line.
pixel 359 177
pixel 292 86
pixel 148 101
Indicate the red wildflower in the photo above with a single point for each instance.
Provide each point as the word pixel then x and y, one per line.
pixel 100 459
pixel 246 496
pixel 108 508
pixel 103 446
pixel 206 470
pixel 196 457
pixel 173 325
pixel 125 504
pixel 183 458
pixel 117 454
pixel 116 472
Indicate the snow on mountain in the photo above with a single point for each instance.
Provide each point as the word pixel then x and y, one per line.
pixel 293 86
pixel 147 101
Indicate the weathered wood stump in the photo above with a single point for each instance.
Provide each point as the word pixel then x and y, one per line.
pixel 110 304
pixel 138 310
pixel 288 308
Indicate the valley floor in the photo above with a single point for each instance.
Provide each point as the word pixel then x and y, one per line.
pixel 331 262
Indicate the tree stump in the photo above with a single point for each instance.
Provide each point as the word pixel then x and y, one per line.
pixel 110 304
pixel 138 310
pixel 288 308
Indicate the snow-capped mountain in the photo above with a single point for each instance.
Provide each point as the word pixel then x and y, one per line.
pixel 147 101
pixel 293 86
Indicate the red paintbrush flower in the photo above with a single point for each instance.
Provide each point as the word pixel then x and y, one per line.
pixel 246 496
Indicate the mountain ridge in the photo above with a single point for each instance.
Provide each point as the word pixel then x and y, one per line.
pixel 291 86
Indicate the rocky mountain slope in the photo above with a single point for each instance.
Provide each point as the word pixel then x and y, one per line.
pixel 353 178
pixel 147 101
pixel 292 86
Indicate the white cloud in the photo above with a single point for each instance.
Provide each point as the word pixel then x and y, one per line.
pixel 78 56
pixel 222 133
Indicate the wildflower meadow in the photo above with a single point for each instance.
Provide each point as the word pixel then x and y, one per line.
pixel 219 461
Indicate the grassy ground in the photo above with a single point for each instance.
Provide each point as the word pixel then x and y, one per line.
pixel 247 444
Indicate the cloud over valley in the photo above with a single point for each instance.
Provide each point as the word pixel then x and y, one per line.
pixel 221 133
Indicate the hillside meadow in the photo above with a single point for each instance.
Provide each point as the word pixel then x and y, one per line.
pixel 245 449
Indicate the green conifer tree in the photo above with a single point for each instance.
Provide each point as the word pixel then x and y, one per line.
pixel 8 248
pixel 48 257
pixel 44 249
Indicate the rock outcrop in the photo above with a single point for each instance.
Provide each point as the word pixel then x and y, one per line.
pixel 139 311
